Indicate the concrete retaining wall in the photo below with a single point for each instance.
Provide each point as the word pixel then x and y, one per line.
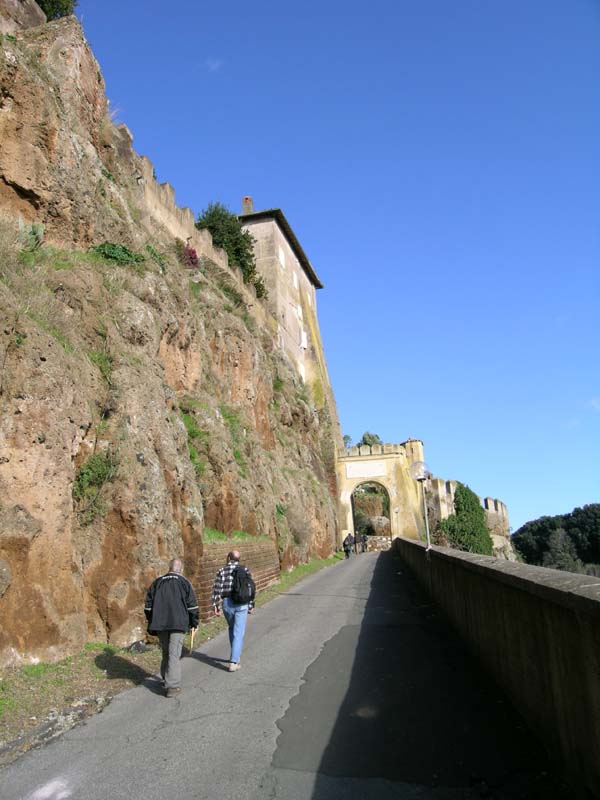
pixel 260 557
pixel 538 632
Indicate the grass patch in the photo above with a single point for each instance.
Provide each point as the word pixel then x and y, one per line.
pixel 158 258
pixel 55 332
pixel 103 360
pixel 36 670
pixel 214 535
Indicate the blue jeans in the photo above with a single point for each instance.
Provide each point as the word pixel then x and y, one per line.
pixel 236 616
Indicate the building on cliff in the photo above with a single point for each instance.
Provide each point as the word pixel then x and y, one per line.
pixel 291 283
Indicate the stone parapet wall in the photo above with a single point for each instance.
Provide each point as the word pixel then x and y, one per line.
pixel 259 556
pixel 537 631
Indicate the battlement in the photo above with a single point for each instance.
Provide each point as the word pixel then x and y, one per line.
pixel 411 450
pixel 440 502
pixel 179 222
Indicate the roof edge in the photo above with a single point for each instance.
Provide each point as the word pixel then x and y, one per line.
pixel 279 217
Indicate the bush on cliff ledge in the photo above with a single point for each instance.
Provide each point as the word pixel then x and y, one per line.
pixel 466 528
pixel 227 232
pixel 54 9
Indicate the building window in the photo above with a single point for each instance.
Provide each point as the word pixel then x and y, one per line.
pixel 303 340
pixel 281 257
pixel 295 280
pixel 299 311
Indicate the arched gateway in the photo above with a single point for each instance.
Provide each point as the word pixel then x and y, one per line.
pixel 388 465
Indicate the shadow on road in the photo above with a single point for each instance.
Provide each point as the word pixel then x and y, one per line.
pixel 416 711
pixel 119 668
pixel 217 663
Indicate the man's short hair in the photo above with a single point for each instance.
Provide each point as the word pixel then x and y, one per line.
pixel 233 555
pixel 176 565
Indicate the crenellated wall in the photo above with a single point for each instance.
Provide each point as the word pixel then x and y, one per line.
pixel 389 466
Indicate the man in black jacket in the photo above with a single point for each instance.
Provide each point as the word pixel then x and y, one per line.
pixel 171 608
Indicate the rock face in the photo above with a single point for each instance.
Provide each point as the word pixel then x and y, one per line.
pixel 20 14
pixel 138 402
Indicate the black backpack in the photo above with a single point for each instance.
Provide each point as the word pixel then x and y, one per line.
pixel 243 588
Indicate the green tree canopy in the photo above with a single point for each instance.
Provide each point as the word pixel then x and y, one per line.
pixel 369 439
pixel 466 528
pixel 567 541
pixel 347 440
pixel 53 9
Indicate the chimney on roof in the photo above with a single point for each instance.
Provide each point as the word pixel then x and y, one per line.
pixel 247 205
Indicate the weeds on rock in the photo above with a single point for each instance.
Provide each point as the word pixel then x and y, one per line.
pixel 117 252
pixel 91 477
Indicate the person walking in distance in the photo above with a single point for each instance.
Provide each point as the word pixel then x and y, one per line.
pixel 233 596
pixel 171 607
pixel 348 544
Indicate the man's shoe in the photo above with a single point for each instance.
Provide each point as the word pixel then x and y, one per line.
pixel 233 666
pixel 173 692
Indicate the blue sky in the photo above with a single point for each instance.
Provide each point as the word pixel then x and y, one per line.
pixel 440 163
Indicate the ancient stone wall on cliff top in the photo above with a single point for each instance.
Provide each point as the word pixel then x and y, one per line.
pixel 138 402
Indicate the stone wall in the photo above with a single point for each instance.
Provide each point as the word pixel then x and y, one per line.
pixel 259 556
pixel 537 631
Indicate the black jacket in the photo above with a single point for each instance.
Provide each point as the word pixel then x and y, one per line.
pixel 171 604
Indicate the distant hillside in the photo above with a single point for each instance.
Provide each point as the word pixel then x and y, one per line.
pixel 569 542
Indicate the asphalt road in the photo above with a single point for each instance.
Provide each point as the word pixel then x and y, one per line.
pixel 351 687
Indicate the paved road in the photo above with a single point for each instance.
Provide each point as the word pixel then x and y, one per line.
pixel 351 687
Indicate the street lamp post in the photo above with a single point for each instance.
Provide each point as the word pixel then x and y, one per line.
pixel 396 512
pixel 420 473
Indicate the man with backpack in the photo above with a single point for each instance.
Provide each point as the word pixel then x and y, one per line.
pixel 233 595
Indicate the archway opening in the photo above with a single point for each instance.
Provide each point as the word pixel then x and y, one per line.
pixel 371 510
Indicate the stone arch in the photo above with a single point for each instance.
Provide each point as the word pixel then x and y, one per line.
pixel 387 465
pixel 355 501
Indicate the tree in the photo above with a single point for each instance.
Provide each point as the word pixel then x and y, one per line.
pixel 466 528
pixel 369 439
pixel 227 232
pixel 576 549
pixel 347 440
pixel 561 553
pixel 54 9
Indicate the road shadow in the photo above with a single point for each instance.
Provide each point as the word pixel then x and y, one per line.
pixel 118 668
pixel 216 663
pixel 416 717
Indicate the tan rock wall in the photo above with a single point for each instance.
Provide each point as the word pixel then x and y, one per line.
pixel 20 14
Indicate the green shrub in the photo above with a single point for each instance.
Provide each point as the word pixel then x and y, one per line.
pixel 117 252
pixel 91 476
pixel 54 9
pixel 466 528
pixel 31 236
pixel 227 232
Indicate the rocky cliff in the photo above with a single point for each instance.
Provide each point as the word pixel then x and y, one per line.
pixel 140 402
